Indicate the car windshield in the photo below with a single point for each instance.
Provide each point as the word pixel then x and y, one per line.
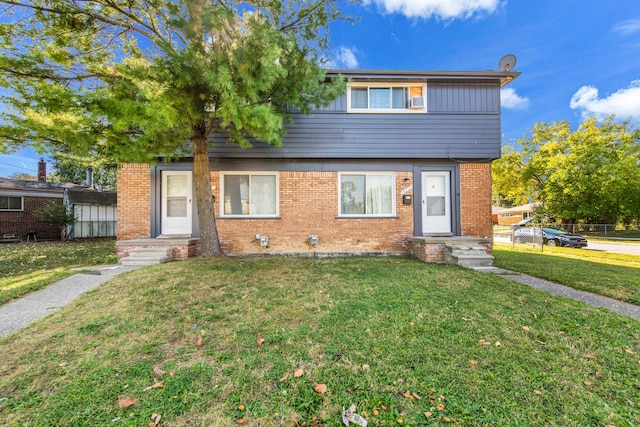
pixel 554 232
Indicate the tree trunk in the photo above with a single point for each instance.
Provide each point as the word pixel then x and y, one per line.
pixel 210 245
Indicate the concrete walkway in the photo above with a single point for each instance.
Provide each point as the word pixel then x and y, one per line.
pixel 21 312
pixel 595 300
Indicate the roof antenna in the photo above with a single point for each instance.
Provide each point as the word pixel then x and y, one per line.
pixel 507 63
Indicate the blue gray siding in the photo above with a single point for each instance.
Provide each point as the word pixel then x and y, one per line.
pixel 462 122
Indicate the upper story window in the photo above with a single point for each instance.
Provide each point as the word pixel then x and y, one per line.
pixel 9 203
pixel 367 194
pixel 377 98
pixel 249 194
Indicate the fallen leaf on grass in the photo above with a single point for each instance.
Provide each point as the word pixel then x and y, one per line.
pixel 156 420
pixel 298 373
pixel 538 392
pixel 526 328
pixel 590 357
pixel 440 407
pixel 320 388
pixel 588 383
pixel 428 414
pixel 284 378
pixel 414 394
pixel 245 296
pixel 474 362
pixel 159 384
pixel 158 372
pixel 407 394
pixel 125 402
pixel 259 341
pixel 242 421
pixel 629 351
pixel 375 411
pixel 383 407
pixel 199 342
pixel 484 342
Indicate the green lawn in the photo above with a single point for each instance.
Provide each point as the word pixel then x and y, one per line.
pixel 410 344
pixel 613 275
pixel 25 267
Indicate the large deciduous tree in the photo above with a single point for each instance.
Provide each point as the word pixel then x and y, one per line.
pixel 591 174
pixel 139 80
pixel 69 167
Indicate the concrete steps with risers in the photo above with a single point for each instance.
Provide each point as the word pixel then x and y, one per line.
pixel 467 255
pixel 148 256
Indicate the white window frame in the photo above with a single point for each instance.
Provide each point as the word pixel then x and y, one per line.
pixel 421 110
pixel 249 215
pixel 9 204
pixel 366 215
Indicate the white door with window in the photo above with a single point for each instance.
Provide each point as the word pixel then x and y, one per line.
pixel 176 203
pixel 436 202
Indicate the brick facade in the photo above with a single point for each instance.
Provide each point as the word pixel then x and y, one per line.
pixel 475 199
pixel 308 204
pixel 134 201
pixel 20 223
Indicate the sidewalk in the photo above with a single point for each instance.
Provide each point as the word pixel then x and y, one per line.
pixel 21 312
pixel 624 308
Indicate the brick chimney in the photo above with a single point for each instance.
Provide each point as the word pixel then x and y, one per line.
pixel 42 170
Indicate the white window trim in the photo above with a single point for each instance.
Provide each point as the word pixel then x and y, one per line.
pixel 14 210
pixel 365 215
pixel 422 110
pixel 262 173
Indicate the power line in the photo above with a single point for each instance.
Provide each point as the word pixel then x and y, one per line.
pixel 17 167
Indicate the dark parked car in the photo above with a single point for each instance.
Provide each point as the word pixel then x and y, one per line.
pixel 550 236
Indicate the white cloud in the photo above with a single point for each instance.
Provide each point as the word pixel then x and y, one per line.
pixel 345 57
pixel 628 27
pixel 510 99
pixel 624 103
pixel 443 9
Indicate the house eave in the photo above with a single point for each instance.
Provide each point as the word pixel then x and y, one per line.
pixel 503 77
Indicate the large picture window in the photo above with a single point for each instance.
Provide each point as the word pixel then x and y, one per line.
pixel 10 203
pixel 364 194
pixel 382 98
pixel 250 194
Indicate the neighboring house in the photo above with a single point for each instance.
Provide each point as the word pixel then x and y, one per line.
pixel 510 216
pixel 95 211
pixel 19 201
pixel 400 163
pixel 495 211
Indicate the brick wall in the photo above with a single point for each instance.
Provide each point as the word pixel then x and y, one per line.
pixel 475 199
pixel 21 222
pixel 309 205
pixel 134 201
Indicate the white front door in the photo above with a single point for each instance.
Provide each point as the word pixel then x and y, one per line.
pixel 436 202
pixel 176 203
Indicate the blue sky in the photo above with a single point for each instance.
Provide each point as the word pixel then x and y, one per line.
pixel 578 58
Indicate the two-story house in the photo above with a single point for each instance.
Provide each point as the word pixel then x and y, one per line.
pixel 401 162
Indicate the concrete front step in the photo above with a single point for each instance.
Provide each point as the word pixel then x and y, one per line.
pixel 468 255
pixel 148 256
pixel 473 260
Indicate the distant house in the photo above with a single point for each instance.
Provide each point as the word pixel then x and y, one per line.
pixel 20 200
pixel 400 163
pixel 95 211
pixel 516 214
